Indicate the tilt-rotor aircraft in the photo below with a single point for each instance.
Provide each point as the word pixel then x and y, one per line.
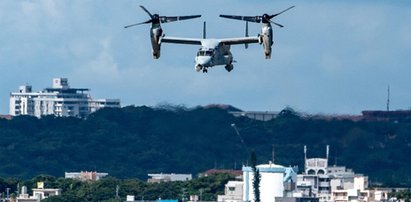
pixel 266 29
pixel 213 52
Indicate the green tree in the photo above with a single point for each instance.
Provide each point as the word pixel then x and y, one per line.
pixel 257 177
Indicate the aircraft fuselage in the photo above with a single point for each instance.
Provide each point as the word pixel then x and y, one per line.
pixel 213 53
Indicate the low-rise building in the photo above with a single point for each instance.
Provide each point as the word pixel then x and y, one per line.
pixel 233 192
pixel 39 193
pixel 162 177
pixel 85 176
pixel 256 115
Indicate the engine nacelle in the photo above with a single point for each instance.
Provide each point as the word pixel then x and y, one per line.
pixel 156 36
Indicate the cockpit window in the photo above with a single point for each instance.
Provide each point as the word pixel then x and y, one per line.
pixel 205 53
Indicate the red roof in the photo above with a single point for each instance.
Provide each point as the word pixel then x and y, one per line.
pixel 215 171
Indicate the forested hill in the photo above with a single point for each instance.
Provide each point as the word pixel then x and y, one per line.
pixel 133 141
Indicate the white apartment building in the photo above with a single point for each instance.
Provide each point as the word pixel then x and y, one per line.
pixel 334 183
pixel 59 100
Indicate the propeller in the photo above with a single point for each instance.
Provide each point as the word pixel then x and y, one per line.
pixel 157 19
pixel 265 18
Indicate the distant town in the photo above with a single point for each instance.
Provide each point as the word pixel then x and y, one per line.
pixel 317 182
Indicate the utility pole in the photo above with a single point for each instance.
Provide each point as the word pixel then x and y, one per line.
pixel 273 155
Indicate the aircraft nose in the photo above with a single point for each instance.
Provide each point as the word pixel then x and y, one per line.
pixel 204 61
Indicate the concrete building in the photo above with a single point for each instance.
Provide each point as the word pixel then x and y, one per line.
pixel 39 193
pixel 59 100
pixel 315 181
pixel 85 176
pixel 296 199
pixel 233 192
pixel 162 177
pixel 334 183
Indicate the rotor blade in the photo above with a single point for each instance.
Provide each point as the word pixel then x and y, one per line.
pixel 146 22
pixel 281 12
pixel 166 19
pixel 142 7
pixel 280 25
pixel 245 18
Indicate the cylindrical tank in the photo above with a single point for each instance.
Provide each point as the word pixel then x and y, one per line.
pixel 271 184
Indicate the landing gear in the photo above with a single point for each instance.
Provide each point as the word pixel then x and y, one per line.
pixel 198 68
pixel 205 70
pixel 229 67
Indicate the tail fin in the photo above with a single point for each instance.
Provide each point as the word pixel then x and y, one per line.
pixel 204 30
pixel 246 33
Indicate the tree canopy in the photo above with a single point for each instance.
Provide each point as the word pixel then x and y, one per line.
pixel 133 141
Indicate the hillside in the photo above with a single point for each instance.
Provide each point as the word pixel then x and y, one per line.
pixel 133 141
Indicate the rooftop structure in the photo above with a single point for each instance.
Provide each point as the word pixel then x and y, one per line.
pixel 386 115
pixel 59 100
pixel 8 117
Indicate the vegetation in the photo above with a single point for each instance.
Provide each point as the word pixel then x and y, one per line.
pixel 105 189
pixel 133 141
pixel 257 177
pixel 404 195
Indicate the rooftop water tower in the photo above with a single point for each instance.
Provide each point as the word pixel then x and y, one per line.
pixel 271 184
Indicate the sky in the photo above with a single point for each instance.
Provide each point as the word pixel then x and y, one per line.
pixel 331 57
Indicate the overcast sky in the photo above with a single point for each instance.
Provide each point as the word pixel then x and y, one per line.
pixel 331 56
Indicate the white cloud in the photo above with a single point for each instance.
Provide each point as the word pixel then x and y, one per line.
pixel 102 67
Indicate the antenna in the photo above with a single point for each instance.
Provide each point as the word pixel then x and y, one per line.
pixel 204 30
pixel 328 152
pixel 388 99
pixel 273 154
pixel 239 136
pixel 305 156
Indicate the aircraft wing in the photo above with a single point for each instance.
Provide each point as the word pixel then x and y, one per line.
pixel 242 40
pixel 190 41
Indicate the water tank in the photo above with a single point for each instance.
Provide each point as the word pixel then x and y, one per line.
pixel 271 184
pixel 130 198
